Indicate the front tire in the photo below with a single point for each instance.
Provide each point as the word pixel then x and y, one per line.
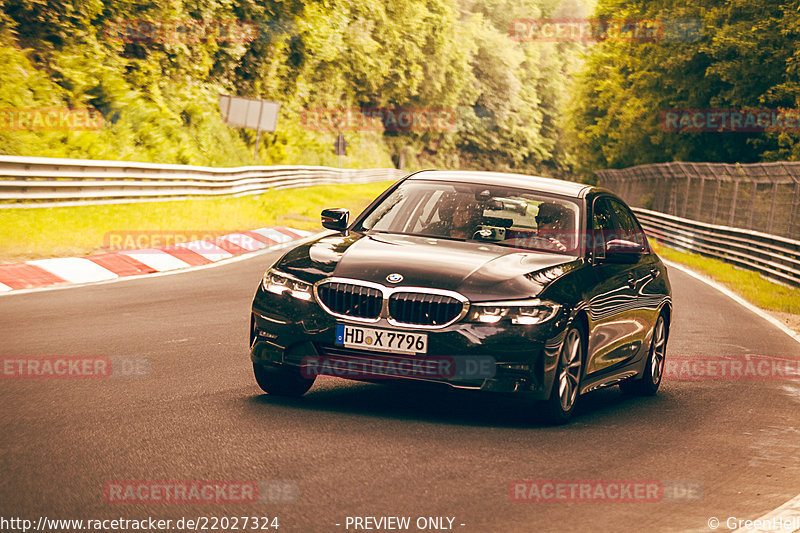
pixel 566 388
pixel 654 367
pixel 281 381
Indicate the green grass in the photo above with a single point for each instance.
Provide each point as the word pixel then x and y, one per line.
pixel 749 285
pixel 69 231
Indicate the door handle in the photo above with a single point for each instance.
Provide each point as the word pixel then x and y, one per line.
pixel 654 272
pixel 631 281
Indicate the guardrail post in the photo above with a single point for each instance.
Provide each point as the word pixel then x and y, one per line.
pixel 699 209
pixel 772 207
pixel 716 201
pixel 624 186
pixel 674 198
pixel 753 204
pixel 664 197
pixel 732 214
pixel 791 232
pixel 688 191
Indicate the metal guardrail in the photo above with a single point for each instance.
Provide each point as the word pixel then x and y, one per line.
pixel 44 182
pixel 776 258
pixel 756 196
pixel 47 182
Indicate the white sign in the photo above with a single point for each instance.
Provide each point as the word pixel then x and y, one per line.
pixel 250 113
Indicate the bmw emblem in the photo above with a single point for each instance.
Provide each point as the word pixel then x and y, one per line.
pixel 394 278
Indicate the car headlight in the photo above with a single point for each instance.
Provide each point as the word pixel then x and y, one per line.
pixel 277 283
pixel 523 312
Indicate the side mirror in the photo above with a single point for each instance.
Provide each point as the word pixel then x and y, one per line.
pixel 335 219
pixel 622 251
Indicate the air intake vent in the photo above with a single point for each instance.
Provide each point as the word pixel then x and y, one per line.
pixel 424 309
pixel 351 300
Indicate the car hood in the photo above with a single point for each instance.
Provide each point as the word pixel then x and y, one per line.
pixel 479 271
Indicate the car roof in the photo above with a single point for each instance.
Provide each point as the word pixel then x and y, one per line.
pixel 546 185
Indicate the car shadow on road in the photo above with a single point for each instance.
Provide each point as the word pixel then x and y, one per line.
pixel 457 407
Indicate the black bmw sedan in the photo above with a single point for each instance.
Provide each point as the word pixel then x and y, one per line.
pixel 473 280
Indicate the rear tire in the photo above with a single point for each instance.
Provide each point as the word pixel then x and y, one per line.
pixel 281 381
pixel 566 387
pixel 654 367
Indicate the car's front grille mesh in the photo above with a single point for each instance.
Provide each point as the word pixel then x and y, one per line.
pixel 405 307
pixel 351 300
pixel 423 309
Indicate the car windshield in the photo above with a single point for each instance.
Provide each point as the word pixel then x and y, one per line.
pixel 475 212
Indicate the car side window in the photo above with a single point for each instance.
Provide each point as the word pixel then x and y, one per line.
pixel 603 226
pixel 627 226
pixel 425 213
pixel 602 215
pixel 623 222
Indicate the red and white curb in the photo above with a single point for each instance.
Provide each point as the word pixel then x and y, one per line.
pixel 109 266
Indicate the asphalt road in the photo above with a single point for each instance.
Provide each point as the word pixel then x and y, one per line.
pixel 357 449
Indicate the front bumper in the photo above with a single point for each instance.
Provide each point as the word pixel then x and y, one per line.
pixel 502 357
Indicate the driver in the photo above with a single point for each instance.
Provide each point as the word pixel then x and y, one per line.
pixel 552 222
pixel 464 221
pixel 458 215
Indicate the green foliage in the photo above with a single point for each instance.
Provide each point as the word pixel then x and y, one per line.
pixel 158 97
pixel 746 57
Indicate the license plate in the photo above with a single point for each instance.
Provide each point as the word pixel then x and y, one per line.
pixel 383 340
